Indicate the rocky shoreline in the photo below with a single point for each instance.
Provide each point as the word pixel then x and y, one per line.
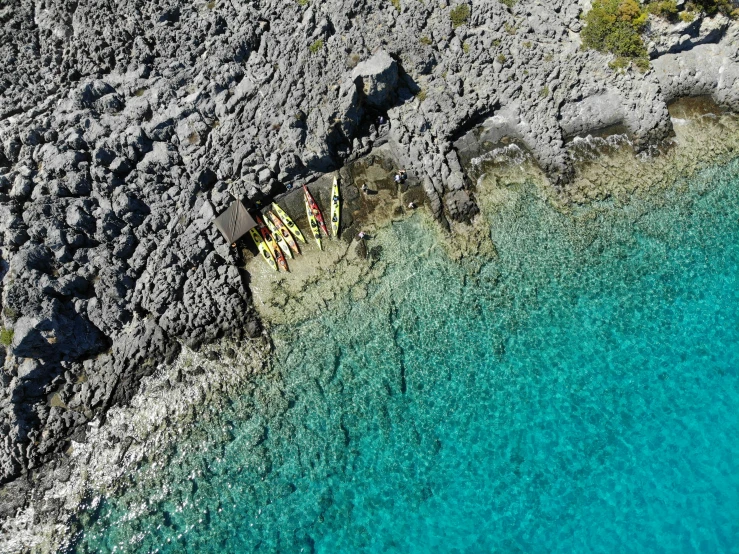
pixel 123 132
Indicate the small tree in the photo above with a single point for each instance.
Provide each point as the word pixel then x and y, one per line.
pixel 614 26
pixel 460 15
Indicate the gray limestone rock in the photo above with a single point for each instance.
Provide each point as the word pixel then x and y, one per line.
pixel 377 78
pixel 117 147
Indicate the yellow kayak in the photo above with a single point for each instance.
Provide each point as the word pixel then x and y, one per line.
pixel 313 224
pixel 285 232
pixel 263 249
pixel 278 237
pixel 289 222
pixel 335 208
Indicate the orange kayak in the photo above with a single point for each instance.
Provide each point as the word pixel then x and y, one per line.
pixel 276 252
pixel 315 209
pixel 285 232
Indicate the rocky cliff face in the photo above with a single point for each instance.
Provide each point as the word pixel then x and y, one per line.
pixel 124 127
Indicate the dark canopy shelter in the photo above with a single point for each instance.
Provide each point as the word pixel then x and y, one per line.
pixel 235 222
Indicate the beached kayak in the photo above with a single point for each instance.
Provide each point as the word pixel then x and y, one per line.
pixel 263 249
pixel 276 235
pixel 335 208
pixel 284 231
pixel 276 252
pixel 315 209
pixel 313 223
pixel 289 222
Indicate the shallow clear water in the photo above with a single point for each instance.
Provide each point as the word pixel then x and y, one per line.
pixel 579 393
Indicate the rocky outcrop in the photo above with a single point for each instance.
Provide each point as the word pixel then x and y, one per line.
pixel 125 127
pixel 707 69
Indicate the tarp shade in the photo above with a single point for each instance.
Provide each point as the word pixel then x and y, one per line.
pixel 235 222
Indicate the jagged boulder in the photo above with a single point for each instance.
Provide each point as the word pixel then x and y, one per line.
pixel 377 79
pixel 56 332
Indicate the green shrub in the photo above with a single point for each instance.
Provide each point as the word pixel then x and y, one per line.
pixel 466 48
pixel 426 41
pixel 543 93
pixel 642 64
pixel 510 29
pixel 316 46
pixel 501 58
pixel 663 8
pixel 6 336
pixel 711 7
pixel 614 26
pixel 496 43
pixel 396 3
pixel 421 95
pixel 619 63
pixel 687 17
pixel 460 15
pixel 509 3
pixel 527 44
pixel 303 2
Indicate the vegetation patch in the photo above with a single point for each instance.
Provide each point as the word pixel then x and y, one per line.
pixel 6 336
pixel 663 8
pixel 466 48
pixel 426 41
pixel 642 64
pixel 509 3
pixel 460 15
pixel 316 47
pixel 396 4
pixel 10 313
pixel 619 63
pixel 303 2
pixel 544 92
pixel 711 7
pixel 614 26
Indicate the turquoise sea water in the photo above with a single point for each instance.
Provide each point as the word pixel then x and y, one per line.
pixel 578 393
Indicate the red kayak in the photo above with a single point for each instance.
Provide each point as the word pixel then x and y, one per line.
pixel 315 209
pixel 272 245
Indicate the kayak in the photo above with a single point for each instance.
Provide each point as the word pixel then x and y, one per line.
pixel 263 249
pixel 276 252
pixel 335 208
pixel 289 222
pixel 283 230
pixel 276 235
pixel 315 209
pixel 313 223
